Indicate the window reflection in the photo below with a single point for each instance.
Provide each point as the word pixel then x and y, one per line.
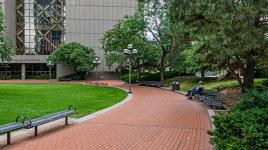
pixel 40 26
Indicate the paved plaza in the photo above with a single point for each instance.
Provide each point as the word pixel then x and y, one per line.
pixel 152 119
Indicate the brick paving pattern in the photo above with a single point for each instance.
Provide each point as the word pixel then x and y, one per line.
pixel 154 119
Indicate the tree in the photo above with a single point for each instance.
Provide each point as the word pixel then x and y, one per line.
pixel 158 30
pixel 6 45
pixel 233 33
pixel 130 30
pixel 79 57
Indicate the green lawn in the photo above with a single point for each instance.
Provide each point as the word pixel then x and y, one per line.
pixel 35 100
pixel 209 83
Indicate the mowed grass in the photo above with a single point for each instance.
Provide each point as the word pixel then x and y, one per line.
pixel 35 100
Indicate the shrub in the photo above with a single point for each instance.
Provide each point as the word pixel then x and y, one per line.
pixel 76 76
pixel 245 126
pixel 261 73
pixel 265 83
pixel 134 77
pixel 242 129
pixel 156 76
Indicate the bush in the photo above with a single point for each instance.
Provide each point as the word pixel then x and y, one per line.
pixel 242 129
pixel 156 76
pixel 261 73
pixel 245 126
pixel 134 77
pixel 76 76
pixel 265 83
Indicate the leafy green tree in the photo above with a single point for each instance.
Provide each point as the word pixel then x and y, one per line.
pixel 79 57
pixel 6 45
pixel 158 30
pixel 232 31
pixel 130 30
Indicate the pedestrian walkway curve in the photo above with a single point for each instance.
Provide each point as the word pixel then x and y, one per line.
pixel 153 119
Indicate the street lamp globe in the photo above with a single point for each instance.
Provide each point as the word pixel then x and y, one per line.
pixel 130 46
pixel 134 51
pixel 126 51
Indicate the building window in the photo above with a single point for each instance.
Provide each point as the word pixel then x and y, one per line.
pixel 40 26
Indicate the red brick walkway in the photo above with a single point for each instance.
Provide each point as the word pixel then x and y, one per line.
pixel 153 119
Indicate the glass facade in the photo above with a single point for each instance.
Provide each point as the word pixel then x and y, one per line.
pixel 39 71
pixel 10 71
pixel 40 26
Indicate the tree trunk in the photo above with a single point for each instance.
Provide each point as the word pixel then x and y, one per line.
pixel 248 73
pixel 202 72
pixel 162 68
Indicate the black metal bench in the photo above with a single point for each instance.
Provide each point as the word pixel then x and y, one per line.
pixel 212 99
pixel 65 79
pixel 27 123
pixel 8 128
pixel 151 83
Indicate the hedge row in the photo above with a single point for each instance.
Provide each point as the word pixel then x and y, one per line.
pixel 246 125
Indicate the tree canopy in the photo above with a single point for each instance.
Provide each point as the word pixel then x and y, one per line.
pixel 232 32
pixel 79 57
pixel 130 30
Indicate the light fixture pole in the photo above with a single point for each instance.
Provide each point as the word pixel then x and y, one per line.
pixel 130 52
pixel 96 62
pixel 50 65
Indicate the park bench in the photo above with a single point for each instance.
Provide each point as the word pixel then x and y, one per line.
pixel 49 118
pixel 8 128
pixel 212 99
pixel 27 123
pixel 65 79
pixel 96 83
pixel 151 83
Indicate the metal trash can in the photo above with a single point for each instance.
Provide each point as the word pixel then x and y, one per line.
pixel 175 86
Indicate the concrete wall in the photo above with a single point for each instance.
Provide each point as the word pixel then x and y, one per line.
pixel 10 18
pixel 63 70
pixel 87 20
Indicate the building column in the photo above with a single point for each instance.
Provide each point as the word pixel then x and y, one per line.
pixel 23 71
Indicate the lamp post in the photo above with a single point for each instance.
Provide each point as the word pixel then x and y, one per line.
pixel 50 65
pixel 130 52
pixel 96 62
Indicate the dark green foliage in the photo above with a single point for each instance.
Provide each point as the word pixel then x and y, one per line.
pixel 254 99
pixel 130 30
pixel 79 57
pixel 265 83
pixel 156 76
pixel 231 33
pixel 134 77
pixel 76 76
pixel 246 125
pixel 261 73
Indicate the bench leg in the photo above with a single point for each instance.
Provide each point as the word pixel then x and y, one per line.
pixel 8 138
pixel 66 120
pixel 35 131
